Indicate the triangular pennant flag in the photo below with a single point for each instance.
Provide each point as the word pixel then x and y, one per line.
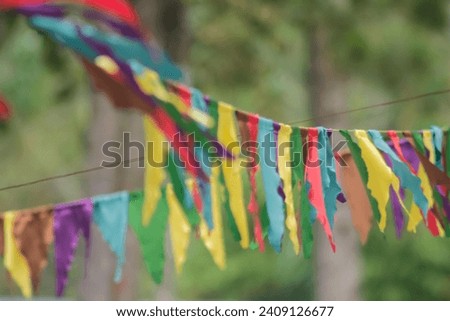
pixel 5 110
pixel 271 180
pixel 154 168
pixel 438 139
pixel 213 239
pixel 180 229
pixel 248 128
pixel 306 211
pixel 355 192
pixel 396 200
pixel 15 262
pixel 111 217
pixel 397 211
pixel 314 177
pixel 355 151
pixel 33 231
pixel 381 177
pixel 330 186
pixel 427 136
pixel 227 135
pixel 151 237
pixel 285 170
pixel 70 219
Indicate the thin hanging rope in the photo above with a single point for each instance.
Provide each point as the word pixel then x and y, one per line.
pixel 134 160
pixel 84 171
pixel 388 103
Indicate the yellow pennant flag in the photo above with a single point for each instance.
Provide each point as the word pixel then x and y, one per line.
pixel 428 142
pixel 180 229
pixel 154 170
pixel 150 84
pixel 284 161
pixel 14 261
pixel 213 239
pixel 381 177
pixel 227 135
pixel 107 64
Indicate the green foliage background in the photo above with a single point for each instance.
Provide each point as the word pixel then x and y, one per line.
pixel 253 54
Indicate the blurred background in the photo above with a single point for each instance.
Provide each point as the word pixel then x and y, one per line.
pixel 288 60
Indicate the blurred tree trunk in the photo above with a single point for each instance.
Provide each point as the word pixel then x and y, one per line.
pixel 337 276
pixel 109 123
pixel 166 19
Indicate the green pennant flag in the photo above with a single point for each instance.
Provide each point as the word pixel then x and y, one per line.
pixel 418 141
pixel 298 177
pixel 151 237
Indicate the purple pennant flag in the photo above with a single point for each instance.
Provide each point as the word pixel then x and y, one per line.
pixel 410 153
pixel 397 211
pixel 69 220
pixel 399 220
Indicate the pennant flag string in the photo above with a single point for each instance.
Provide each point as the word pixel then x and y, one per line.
pixel 294 177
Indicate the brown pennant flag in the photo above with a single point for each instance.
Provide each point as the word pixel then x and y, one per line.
pixel 121 96
pixel 357 199
pixel 33 231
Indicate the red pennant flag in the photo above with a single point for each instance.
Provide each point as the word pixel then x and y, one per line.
pixel 5 110
pixel 120 9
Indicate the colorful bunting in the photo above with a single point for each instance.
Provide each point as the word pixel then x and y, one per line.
pixel 374 172
pixel 302 178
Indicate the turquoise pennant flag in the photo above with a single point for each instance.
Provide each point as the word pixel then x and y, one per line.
pixel 111 217
pixel 271 179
